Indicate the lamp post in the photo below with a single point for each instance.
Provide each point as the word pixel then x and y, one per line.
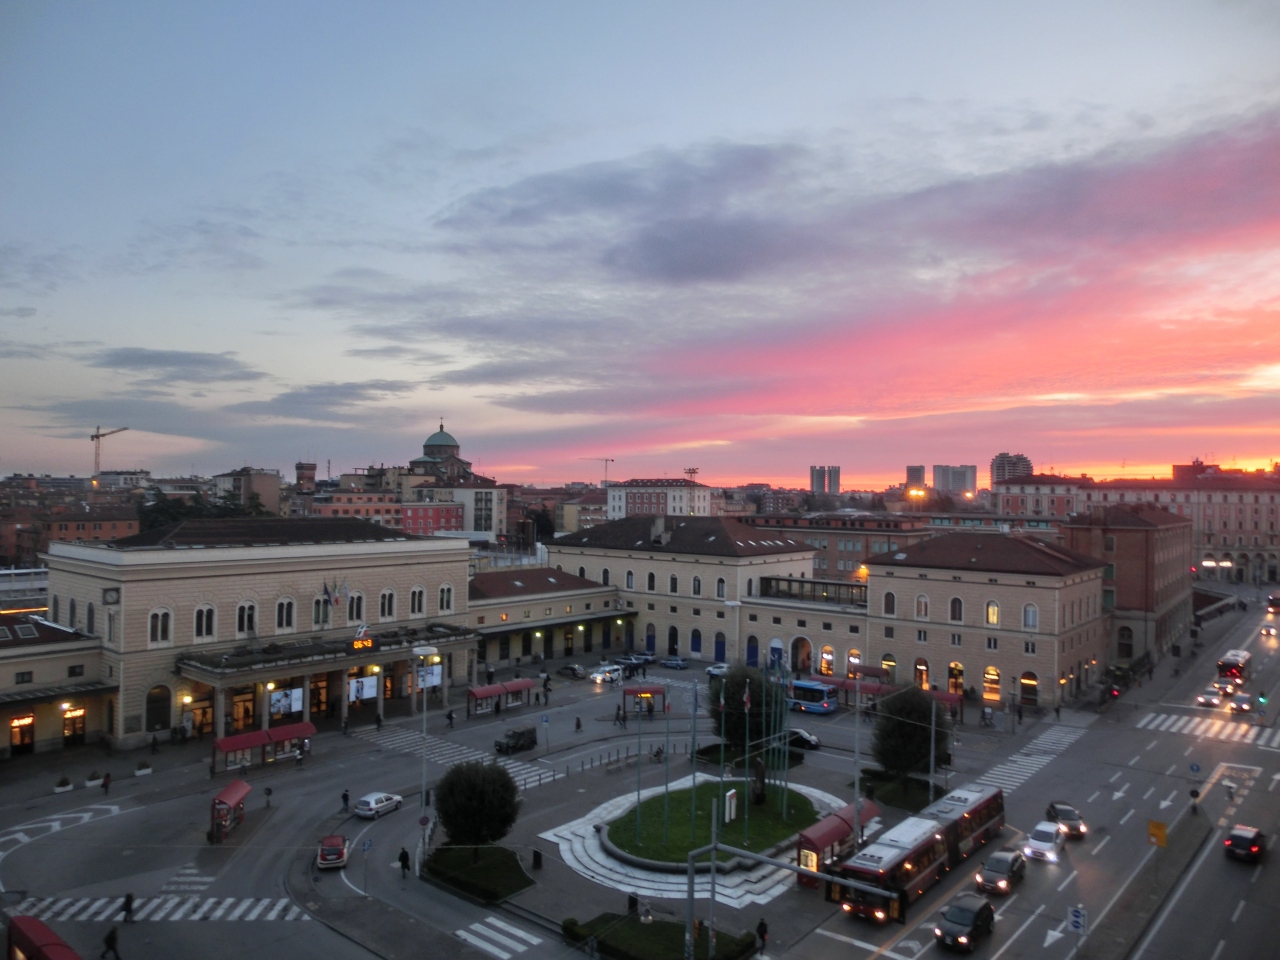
pixel 429 657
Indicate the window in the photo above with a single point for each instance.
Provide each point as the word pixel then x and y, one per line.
pixel 23 676
pixel 75 670
pixel 71 612
pixel 922 636
pixel 582 572
pixel 204 623
pixel 446 599
pixel 417 601
pixel 697 586
pixel 89 619
pixel 284 615
pixel 158 626
pixel 751 591
pixel 653 582
pixel 604 576
pixel 1030 617
pixel 674 585
pixel 355 608
pixel 695 641
pixel 890 605
pixel 319 612
pixel 720 588
pixel 246 615
pixel 957 610
pixel 888 633
pixel 993 613
pixel 956 640
pixel 387 605
pixel 991 684
pixel 631 580
pixel 922 607
pixel 1109 544
pixel 993 643
pixel 1028 646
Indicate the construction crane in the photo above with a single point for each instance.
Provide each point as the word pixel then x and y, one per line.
pixel 97 446
pixel 606 461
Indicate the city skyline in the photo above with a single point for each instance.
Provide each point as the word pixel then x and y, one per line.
pixel 674 238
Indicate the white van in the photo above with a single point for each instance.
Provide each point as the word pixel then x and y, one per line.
pixel 606 673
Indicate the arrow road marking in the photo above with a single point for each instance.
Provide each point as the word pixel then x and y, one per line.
pixel 1120 793
pixel 1168 801
pixel 1052 936
pixel 1017 933
pixel 1275 778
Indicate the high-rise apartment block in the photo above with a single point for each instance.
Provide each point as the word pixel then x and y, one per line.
pixel 962 479
pixel 824 479
pixel 1006 466
pixel 915 475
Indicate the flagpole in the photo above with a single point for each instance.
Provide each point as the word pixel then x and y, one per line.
pixel 746 759
pixel 693 789
pixel 666 766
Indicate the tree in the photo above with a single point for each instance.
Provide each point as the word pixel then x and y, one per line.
pixel 544 525
pixel 902 733
pixel 730 725
pixel 477 804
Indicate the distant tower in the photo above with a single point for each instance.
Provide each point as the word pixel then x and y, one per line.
pixel 305 477
pixel 1006 466
pixel 915 476
pixel 824 479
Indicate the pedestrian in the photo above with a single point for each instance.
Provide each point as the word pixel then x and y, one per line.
pixel 644 672
pixel 155 744
pixel 404 863
pixel 651 708
pixel 577 724
pixel 306 746
pixel 109 944
pixel 624 718
pixel 1151 672
pixel 346 801
pixel 537 698
pixel 346 727
pixel 546 696
pixel 1019 713
pixel 377 722
pixel 449 716
pixel 297 757
pixel 617 715
pixel 106 783
pixel 497 706
pixel 128 908
pixel 1057 712
pixel 762 931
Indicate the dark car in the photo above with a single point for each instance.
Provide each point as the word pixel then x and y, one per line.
pixel 804 739
pixel 1067 818
pixel 1002 871
pixel 1242 703
pixel 965 919
pixel 574 671
pixel 522 738
pixel 1245 843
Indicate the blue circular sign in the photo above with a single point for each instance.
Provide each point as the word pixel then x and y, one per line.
pixel 1195 768
pixel 367 846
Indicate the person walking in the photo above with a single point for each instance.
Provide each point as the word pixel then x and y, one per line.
pixel 577 724
pixel 617 715
pixel 128 907
pixel 346 801
pixel 1019 714
pixel 404 863
pixel 762 931
pixel 624 718
pixel 449 716
pixel 377 722
pixel 1057 712
pixel 155 744
pixel 106 783
pixel 109 944
pixel 297 757
pixel 346 727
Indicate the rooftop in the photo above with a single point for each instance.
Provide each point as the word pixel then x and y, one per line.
pixel 990 553
pixel 24 630
pixel 525 582
pixel 259 531
pixel 660 482
pixel 1138 515
pixel 707 536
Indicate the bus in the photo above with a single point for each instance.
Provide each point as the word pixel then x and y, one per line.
pixel 813 696
pixel 1236 666
pixel 906 861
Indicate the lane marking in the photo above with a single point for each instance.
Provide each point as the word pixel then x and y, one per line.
pixel 1105 841
pixel 523 935
pixel 1218 949
pixel 1236 916
pixel 1154 742
pixel 1116 777
pixel 1154 929
pixel 875 950
pixel 1150 791
pixel 1135 760
pixel 1125 818
pixel 484 945
pixel 1006 905
pixel 1189 749
pixel 1017 933
pixel 480 928
pixel 1256 870
pixel 1065 882
pixel 1172 767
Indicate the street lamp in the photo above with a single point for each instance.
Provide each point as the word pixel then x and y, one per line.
pixel 430 657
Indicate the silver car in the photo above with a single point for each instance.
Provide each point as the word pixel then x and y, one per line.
pixel 373 805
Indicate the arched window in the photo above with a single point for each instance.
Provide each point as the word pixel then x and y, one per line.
pixel 993 613
pixel 957 610
pixel 204 625
pixel 53 608
pixel 650 637
pixel 753 651
pixel 387 605
pixel 697 586
pixel 88 619
pixel 71 613
pixel 922 607
pixel 853 662
pixel 955 677
pixel 991 684
pixel 720 588
pixel 653 582
pixel 890 604
pixel 695 641
pixel 417 602
pixel 582 572
pixel 1030 617
pixel 284 615
pixel 890 663
pixel 246 618
pixel 446 599
pixel 674 585
pixel 1029 687
pixel 1124 643
pixel 827 662
pixel 604 576
pixel 922 673
pixel 631 580
pixel 355 608
pixel 158 626
pixel 673 642
pixel 320 612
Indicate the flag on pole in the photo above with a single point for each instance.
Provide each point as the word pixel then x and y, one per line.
pixel 722 685
pixel 746 696
pixel 328 597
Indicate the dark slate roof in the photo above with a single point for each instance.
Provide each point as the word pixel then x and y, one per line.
pixel 22 630
pixel 992 553
pixel 707 536
pixel 524 582
pixel 1140 516
pixel 259 532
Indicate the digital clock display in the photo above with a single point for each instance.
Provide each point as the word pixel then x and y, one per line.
pixel 364 643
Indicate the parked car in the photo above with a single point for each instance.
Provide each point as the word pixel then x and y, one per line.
pixel 1210 698
pixel 521 738
pixel 965 919
pixel 373 805
pixel 1245 843
pixel 717 670
pixel 676 663
pixel 628 660
pixel 644 656
pixel 574 671
pixel 333 852
pixel 1044 842
pixel 606 673
pixel 1002 871
pixel 804 739
pixel 1067 818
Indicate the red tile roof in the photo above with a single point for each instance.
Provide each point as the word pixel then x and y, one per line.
pixel 991 553
pixel 524 582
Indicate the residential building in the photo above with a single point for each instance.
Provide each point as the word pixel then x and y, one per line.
pixel 105 523
pixel 1147 580
pixel 659 497
pixel 842 541
pixel 304 478
pixel 426 519
pixel 824 480
pixel 247 482
pixel 915 476
pixel 581 513
pixel 1006 466
pixel 961 480
pixel 1040 495
pixel 380 508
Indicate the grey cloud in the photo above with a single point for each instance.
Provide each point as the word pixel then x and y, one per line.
pixel 323 400
pixel 20 313
pixel 24 267
pixel 177 365
pixel 14 350
pixel 708 249
pixel 219 243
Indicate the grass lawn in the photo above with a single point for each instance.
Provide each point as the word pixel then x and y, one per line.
pixel 910 794
pixel 496 876
pixel 757 830
pixel 624 936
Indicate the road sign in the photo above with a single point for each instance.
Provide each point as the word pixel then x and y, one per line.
pixel 1157 833
pixel 423 820
pixel 1195 768
pixel 367 845
pixel 545 718
pixel 1078 917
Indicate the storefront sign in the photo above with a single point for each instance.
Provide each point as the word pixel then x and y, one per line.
pixel 363 688
pixel 431 676
pixel 72 714
pixel 22 721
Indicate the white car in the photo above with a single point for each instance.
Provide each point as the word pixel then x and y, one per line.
pixel 373 805
pixel 1044 842
pixel 606 674
pixel 717 670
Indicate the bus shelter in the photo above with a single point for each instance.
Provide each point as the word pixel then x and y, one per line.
pixel 642 698
pixel 261 746
pixel 496 697
pixel 832 838
pixel 227 810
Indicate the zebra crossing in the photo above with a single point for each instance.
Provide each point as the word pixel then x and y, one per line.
pixel 447 753
pixel 157 909
pixel 1024 764
pixel 497 937
pixel 188 880
pixel 1212 728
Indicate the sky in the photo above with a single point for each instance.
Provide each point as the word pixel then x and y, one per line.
pixel 743 237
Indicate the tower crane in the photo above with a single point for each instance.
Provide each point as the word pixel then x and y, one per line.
pixel 97 446
pixel 606 461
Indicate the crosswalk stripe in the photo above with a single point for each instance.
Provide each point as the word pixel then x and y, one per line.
pixel 275 911
pixel 49 910
pixel 169 904
pixel 253 914
pixel 226 904
pixel 481 929
pixel 1238 731
pixel 1178 724
pixel 244 905
pixel 513 929
pixel 1146 720
pixel 74 908
pixel 183 910
pixel 1212 729
pixel 204 908
pixel 147 907
pixel 1248 737
pixel 112 906
pixel 171 908
pixel 482 944
pixel 1169 721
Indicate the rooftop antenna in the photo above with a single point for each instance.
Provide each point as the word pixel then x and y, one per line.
pixel 691 473
pixel 606 461
pixel 97 446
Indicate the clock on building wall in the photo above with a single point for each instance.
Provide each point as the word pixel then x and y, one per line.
pixel 110 596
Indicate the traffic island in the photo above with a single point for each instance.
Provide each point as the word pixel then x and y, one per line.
pixel 628 936
pixel 1130 916
pixel 488 874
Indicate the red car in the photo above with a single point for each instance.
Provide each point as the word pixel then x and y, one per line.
pixel 333 852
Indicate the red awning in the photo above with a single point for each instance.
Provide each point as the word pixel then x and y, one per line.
pixel 869 671
pixel 242 741
pixel 515 686
pixel 652 690
pixel 291 731
pixel 481 693
pixel 836 827
pixel 945 696
pixel 233 794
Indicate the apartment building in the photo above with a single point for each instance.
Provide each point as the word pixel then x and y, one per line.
pixel 843 541
pixel 659 497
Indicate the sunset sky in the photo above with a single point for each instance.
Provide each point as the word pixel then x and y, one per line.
pixel 745 237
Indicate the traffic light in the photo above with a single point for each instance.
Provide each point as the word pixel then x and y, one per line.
pixel 1262 696
pixel 1115 691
